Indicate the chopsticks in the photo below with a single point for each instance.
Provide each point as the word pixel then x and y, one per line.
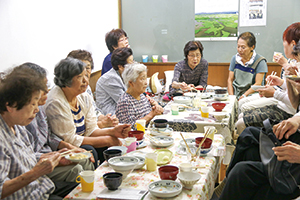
pixel 152 139
pixel 204 138
pixel 270 81
pixel 70 151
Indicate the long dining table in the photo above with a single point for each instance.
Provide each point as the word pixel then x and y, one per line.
pixel 207 166
pixel 190 120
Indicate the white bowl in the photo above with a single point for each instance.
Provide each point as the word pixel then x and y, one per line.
pixel 219 116
pixel 165 188
pixel 141 163
pixel 182 100
pixel 161 141
pixel 256 87
pixel 122 148
pixel 188 179
pixel 123 164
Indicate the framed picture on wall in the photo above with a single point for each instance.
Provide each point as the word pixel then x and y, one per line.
pixel 216 19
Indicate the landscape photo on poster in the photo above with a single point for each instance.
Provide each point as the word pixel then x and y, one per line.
pixel 216 18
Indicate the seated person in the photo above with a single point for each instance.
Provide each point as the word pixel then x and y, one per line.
pixel 70 111
pixel 133 104
pixel 244 70
pixel 192 71
pixel 86 57
pixel 23 173
pixel 116 38
pixel 38 134
pixel 110 86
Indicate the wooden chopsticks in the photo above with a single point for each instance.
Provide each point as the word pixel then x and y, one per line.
pixel 270 81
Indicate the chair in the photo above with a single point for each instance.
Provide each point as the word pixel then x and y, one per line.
pixel 155 85
pixel 169 76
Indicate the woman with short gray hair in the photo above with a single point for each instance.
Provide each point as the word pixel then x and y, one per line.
pixel 133 104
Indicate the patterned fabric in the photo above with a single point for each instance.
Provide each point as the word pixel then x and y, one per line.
pixel 196 76
pixel 38 135
pixel 60 119
pixel 129 109
pixel 97 110
pixel 106 66
pixel 16 158
pixel 109 89
pixel 255 117
pixel 78 118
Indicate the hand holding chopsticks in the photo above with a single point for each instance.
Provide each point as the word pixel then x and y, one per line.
pixel 270 79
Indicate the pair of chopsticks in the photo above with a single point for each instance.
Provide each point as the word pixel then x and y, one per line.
pixel 152 139
pixel 270 81
pixel 194 156
pixel 70 151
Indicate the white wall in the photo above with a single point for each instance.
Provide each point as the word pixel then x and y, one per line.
pixel 45 31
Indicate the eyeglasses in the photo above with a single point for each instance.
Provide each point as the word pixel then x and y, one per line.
pixel 123 39
pixel 195 56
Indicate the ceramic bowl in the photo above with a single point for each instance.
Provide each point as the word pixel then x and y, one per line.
pixel 122 148
pixel 165 188
pixel 219 116
pixel 123 164
pixel 141 163
pixel 207 143
pixel 160 123
pixel 110 153
pixel 182 100
pixel 161 141
pixel 139 135
pixel 112 180
pixel 220 91
pixel 218 106
pixel 168 172
pixel 188 179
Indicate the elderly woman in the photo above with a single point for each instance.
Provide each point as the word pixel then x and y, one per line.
pixel 86 57
pixel 246 67
pixel 133 104
pixel 116 38
pixel 70 110
pixel 111 86
pixel 22 173
pixel 246 176
pixel 192 71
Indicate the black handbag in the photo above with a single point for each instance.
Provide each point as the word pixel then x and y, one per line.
pixel 284 177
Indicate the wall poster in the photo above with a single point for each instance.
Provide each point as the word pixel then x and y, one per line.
pixel 216 19
pixel 253 12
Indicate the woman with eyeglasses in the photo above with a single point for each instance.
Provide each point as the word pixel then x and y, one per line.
pixel 244 71
pixel 192 71
pixel 116 38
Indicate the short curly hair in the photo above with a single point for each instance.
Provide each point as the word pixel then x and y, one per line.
pixel 119 57
pixel 112 38
pixel 192 46
pixel 66 69
pixel 82 55
pixel 18 86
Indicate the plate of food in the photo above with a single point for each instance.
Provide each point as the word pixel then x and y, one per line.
pixel 77 157
pixel 161 141
pixel 293 77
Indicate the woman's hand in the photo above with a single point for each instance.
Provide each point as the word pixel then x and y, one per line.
pixel 289 152
pixel 291 70
pixel 268 91
pixel 158 110
pixel 274 80
pixel 47 163
pixel 121 131
pixel 280 59
pixel 183 86
pixel 107 121
pixel 287 127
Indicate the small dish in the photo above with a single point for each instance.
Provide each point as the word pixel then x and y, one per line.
pixel 165 188
pixel 161 132
pixel 162 141
pixel 77 157
pixel 164 156
pixel 256 87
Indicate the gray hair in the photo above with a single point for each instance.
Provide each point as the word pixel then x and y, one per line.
pixel 132 72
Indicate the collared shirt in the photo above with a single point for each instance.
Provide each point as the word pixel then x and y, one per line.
pixel 40 139
pixel 109 89
pixel 196 76
pixel 238 59
pixel 130 109
pixel 16 158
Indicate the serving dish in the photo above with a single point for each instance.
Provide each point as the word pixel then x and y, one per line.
pixel 77 157
pixel 165 188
